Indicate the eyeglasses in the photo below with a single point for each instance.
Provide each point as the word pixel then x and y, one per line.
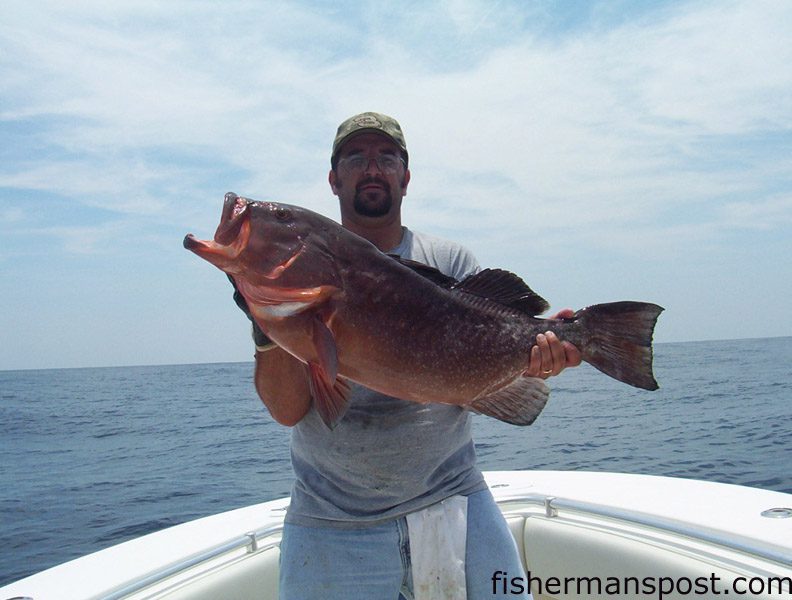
pixel 387 163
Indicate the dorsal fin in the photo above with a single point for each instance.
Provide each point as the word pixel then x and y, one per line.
pixel 496 285
pixel 430 273
pixel 504 288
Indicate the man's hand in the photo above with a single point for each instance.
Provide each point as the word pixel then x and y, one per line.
pixel 550 355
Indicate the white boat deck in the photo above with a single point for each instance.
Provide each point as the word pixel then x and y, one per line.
pixel 567 525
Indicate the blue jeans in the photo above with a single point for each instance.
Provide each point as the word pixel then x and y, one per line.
pixel 374 563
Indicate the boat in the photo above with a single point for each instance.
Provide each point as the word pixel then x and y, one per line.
pixel 580 535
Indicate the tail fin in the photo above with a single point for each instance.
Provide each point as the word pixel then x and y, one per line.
pixel 619 340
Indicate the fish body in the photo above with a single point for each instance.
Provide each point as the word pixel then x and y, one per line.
pixel 350 312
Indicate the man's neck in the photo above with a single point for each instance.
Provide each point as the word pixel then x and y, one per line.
pixel 385 238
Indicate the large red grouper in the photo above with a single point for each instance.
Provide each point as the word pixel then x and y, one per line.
pixel 350 312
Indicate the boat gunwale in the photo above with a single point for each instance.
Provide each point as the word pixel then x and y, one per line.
pixel 735 542
pixel 544 494
pixel 550 505
pixel 249 540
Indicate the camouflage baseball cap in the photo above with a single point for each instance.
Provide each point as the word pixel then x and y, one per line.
pixel 370 122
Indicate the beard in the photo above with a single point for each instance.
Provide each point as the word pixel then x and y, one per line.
pixel 373 203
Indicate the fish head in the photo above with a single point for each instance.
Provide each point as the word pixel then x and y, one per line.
pixel 266 244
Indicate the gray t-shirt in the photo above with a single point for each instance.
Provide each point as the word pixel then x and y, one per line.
pixel 386 457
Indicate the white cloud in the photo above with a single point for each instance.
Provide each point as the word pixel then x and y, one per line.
pixel 606 126
pixel 765 214
pixel 12 215
pixel 654 135
pixel 120 187
pixel 85 240
pixel 568 121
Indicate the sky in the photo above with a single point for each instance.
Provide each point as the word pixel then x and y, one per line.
pixel 601 150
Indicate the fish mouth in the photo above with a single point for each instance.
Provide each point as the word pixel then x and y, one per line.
pixel 231 236
pixel 235 215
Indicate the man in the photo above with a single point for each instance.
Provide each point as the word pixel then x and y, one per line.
pixel 368 493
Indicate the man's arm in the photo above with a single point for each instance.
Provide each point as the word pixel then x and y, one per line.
pixel 279 378
pixel 282 385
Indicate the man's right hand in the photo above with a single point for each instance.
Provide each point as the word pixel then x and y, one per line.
pixel 550 356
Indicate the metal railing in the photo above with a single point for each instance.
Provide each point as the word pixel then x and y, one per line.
pixel 249 540
pixel 552 505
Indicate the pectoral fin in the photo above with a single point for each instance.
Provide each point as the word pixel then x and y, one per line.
pixel 330 394
pixel 519 403
pixel 325 347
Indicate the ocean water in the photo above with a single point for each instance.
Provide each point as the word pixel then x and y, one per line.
pixel 92 457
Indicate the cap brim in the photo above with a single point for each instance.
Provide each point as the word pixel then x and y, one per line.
pixel 358 132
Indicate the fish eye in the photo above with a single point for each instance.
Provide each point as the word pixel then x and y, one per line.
pixel 282 214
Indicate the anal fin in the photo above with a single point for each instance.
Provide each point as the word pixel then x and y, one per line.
pixel 519 403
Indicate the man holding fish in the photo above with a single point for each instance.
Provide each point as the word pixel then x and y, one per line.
pixel 373 494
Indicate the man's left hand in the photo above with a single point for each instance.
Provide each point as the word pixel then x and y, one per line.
pixel 550 355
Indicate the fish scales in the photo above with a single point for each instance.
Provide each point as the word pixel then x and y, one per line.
pixel 425 326
pixel 350 312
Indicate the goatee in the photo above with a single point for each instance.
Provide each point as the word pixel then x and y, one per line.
pixel 373 204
